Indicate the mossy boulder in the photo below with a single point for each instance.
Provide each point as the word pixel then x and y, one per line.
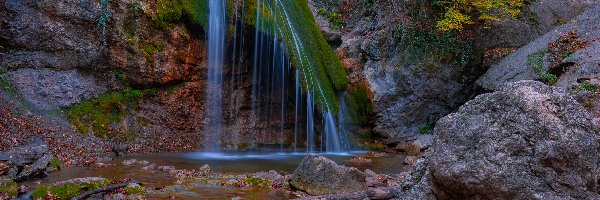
pixel 8 188
pixel 71 188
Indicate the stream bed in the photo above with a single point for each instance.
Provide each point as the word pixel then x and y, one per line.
pixel 226 164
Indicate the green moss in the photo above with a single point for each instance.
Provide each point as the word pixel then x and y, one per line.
pixel 425 128
pixel 335 18
pixel 68 190
pixel 7 87
pixel 549 78
pixel 168 11
pixel 587 86
pixel 134 11
pixel 321 70
pixel 135 190
pixel 97 115
pixel 258 182
pixel 426 48
pixel 360 103
pixel 375 146
pixel 142 121
pixel 196 11
pixel 150 48
pixel 8 187
pixel 120 75
pixel 536 60
pixel 55 163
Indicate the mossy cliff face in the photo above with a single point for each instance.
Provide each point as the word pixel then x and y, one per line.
pixel 132 73
pixel 293 23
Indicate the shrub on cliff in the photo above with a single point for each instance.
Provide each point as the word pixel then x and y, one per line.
pixel 460 13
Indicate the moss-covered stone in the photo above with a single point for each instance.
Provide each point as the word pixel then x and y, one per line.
pixel 55 163
pixel 135 189
pixel 150 48
pixel 8 188
pixel 360 102
pixel 68 190
pixel 168 11
pixel 97 115
pixel 258 182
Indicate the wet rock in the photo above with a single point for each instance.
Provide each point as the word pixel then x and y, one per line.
pixel 423 141
pixel 272 176
pixel 25 154
pixel 37 168
pixel 524 141
pixel 205 169
pixel 360 160
pixel 129 162
pixel 132 162
pixel 4 167
pixel 409 160
pixel 231 182
pixel 142 162
pixel 51 169
pixel 101 165
pixel 370 193
pixel 166 168
pixel 280 194
pixel 318 175
pixel 374 179
pixel 150 167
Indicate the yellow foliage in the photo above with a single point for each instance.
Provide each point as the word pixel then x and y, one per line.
pixel 453 20
pixel 460 13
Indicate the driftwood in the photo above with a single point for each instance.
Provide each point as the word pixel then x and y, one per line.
pixel 111 188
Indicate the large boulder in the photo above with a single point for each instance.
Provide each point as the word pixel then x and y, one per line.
pixel 525 141
pixel 25 154
pixel 318 175
pixel 418 183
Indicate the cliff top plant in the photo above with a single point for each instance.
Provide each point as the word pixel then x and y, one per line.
pixel 461 13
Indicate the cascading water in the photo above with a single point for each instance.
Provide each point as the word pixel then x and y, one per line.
pixel 274 84
pixel 214 93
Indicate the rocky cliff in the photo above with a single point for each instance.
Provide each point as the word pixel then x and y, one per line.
pixel 410 98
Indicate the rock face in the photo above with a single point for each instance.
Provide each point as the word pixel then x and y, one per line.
pixel 47 89
pixel 54 54
pixel 371 53
pixel 539 18
pixel 525 141
pixel 582 64
pixel 318 175
pixel 27 161
pixel 25 154
pixel 404 100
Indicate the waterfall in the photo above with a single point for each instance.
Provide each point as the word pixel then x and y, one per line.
pixel 273 81
pixel 214 91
